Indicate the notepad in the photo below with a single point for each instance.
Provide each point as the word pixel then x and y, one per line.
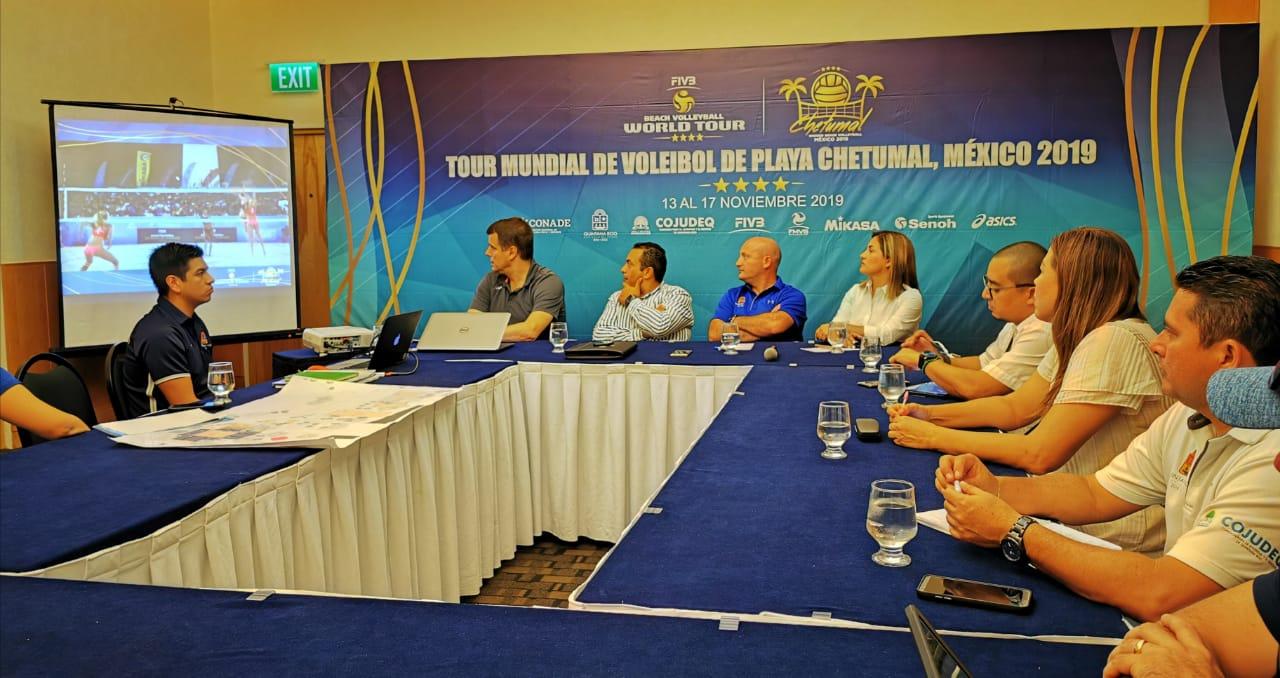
pixel 937 519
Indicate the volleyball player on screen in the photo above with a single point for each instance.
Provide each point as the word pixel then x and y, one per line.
pixel 99 241
pixel 206 225
pixel 249 212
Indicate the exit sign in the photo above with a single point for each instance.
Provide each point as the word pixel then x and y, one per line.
pixel 295 77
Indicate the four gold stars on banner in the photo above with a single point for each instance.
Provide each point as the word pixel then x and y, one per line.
pixel 740 186
pixel 687 137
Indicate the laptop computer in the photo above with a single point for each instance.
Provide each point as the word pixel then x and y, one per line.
pixel 464 332
pixel 391 346
pixel 939 660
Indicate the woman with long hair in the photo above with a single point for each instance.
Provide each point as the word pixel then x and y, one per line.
pixel 99 241
pixel 887 304
pixel 1094 392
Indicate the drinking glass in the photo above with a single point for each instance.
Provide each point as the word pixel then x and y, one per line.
pixel 891 520
pixel 222 381
pixel 559 337
pixel 729 339
pixel 834 427
pixel 893 381
pixel 836 335
pixel 869 351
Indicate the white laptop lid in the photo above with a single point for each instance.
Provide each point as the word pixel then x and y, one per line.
pixel 464 332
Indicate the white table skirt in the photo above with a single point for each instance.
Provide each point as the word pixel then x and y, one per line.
pixel 431 506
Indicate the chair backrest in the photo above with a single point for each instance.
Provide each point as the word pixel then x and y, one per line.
pixel 115 378
pixel 60 387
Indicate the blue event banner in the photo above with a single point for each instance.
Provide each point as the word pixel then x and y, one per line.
pixel 963 144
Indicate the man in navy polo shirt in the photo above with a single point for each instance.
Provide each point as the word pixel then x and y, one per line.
pixel 169 350
pixel 764 308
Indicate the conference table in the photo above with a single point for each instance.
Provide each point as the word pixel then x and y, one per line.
pixel 704 470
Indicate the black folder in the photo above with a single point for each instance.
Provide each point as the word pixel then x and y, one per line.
pixel 590 350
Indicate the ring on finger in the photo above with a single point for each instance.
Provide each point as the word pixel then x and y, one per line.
pixel 1137 647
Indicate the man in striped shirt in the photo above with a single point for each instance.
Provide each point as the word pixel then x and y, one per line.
pixel 646 307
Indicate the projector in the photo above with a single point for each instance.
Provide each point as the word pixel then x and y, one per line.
pixel 342 339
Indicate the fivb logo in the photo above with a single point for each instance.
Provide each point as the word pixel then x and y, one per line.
pixel 842 224
pixel 682 100
pixel 752 224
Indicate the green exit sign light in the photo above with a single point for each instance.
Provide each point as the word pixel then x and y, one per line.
pixel 295 77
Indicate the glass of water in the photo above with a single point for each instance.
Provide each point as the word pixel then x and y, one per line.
pixel 834 427
pixel 870 353
pixel 222 381
pixel 891 520
pixel 893 381
pixel 559 336
pixel 836 335
pixel 729 338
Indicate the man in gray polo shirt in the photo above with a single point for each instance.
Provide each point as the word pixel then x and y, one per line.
pixel 532 294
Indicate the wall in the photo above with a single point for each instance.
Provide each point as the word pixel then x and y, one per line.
pixel 334 31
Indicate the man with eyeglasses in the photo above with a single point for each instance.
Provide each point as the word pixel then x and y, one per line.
pixel 1012 358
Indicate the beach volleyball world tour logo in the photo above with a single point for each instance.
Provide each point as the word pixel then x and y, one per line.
pixel 831 108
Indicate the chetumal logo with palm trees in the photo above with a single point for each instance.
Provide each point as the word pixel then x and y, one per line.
pixel 834 107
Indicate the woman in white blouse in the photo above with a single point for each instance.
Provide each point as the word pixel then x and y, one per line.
pixel 887 304
pixel 1096 389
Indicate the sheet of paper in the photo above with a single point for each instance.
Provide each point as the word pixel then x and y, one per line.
pixel 742 346
pixel 937 519
pixel 158 422
pixel 305 413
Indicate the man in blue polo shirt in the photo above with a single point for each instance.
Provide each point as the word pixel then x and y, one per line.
pixel 169 350
pixel 764 308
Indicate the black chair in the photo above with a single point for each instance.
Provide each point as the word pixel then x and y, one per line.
pixel 61 387
pixel 115 378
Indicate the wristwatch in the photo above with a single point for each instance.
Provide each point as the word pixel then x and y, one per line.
pixel 926 358
pixel 1011 545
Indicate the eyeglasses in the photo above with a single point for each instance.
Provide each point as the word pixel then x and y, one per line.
pixel 992 288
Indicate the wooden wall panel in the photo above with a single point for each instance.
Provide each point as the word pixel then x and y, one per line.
pixel 1233 11
pixel 313 234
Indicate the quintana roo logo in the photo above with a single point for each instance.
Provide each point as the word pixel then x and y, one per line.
pixel 834 107
pixel 683 101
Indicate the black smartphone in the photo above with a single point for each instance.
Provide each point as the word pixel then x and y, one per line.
pixel 867 429
pixel 975 593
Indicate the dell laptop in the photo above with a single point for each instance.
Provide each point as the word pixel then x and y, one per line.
pixel 464 332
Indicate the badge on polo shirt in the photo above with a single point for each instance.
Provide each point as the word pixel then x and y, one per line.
pixel 742 301
pixel 204 339
pixel 1187 463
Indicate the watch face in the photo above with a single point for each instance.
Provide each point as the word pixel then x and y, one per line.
pixel 1012 550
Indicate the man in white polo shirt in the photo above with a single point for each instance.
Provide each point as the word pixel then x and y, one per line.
pixel 1011 359
pixel 1219 485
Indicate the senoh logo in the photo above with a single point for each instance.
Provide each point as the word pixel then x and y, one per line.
pixel 842 224
pixel 993 221
pixel 930 222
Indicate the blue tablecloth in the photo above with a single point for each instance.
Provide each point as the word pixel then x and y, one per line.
pixel 50 627
pixel 755 521
pixel 68 498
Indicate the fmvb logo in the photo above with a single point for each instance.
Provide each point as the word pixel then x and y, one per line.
pixel 835 107
pixel 798 227
pixel 682 100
